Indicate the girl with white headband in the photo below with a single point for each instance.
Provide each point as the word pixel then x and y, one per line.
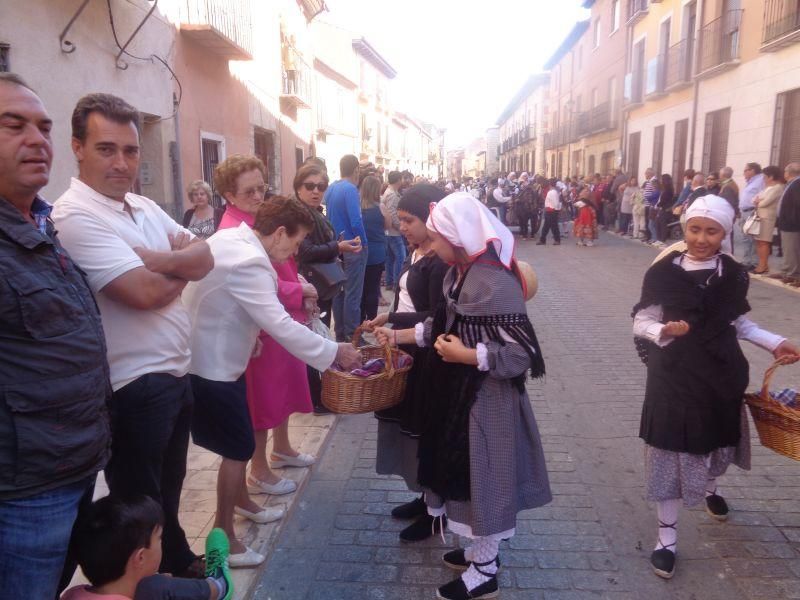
pixel 480 456
pixel 686 326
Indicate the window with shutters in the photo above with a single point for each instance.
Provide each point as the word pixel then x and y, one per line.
pixel 786 134
pixel 658 149
pixel 590 169
pixel 634 146
pixel 607 162
pixel 715 140
pixel 679 149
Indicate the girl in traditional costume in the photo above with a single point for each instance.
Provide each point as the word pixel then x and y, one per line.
pixel 687 325
pixel 585 227
pixel 418 293
pixel 480 455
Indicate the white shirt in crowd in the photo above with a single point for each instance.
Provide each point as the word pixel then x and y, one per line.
pixel 553 199
pixel 100 236
pixel 498 195
pixel 236 300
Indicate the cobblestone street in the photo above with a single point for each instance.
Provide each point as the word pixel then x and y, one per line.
pixel 595 538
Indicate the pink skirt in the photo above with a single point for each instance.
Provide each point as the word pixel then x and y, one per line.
pixel 277 386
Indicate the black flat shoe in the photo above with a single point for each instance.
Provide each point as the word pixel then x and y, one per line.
pixel 322 410
pixel 423 528
pixel 663 562
pixel 457 589
pixel 410 510
pixel 455 560
pixel 717 507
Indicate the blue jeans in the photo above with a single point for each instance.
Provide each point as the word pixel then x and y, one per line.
pixel 347 303
pixel 502 209
pixel 395 256
pixel 34 538
pixel 749 257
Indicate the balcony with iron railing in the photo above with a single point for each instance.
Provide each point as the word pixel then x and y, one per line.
pixel 637 10
pixel 678 65
pixel 781 24
pixel 595 120
pixel 719 40
pixel 296 89
pixel 224 27
pixel 564 134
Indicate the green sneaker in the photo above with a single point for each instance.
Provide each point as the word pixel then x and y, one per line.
pixel 217 551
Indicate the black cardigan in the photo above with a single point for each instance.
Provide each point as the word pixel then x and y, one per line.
pixel 425 281
pixel 320 245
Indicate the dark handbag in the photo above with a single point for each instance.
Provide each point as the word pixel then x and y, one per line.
pixel 326 277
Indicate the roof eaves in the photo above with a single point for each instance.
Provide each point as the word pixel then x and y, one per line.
pixel 365 49
pixel 572 38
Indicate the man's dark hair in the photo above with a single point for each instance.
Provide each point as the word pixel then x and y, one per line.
pixel 407 174
pixel 755 167
pixel 111 532
pixel 393 177
pixel 689 174
pixel 15 79
pixel 111 107
pixel 348 165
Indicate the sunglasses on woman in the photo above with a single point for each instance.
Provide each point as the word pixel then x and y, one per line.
pixel 320 186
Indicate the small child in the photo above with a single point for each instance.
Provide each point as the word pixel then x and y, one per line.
pixel 118 547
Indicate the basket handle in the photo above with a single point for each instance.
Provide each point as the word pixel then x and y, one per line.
pixel 387 349
pixel 783 360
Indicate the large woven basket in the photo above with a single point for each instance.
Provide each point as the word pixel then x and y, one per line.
pixel 778 426
pixel 344 393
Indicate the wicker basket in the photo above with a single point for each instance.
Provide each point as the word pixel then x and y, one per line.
pixel 344 393
pixel 778 426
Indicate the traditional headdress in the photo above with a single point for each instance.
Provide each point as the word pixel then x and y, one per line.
pixel 468 224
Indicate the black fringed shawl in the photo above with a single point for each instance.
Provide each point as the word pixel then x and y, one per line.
pixel 444 464
pixel 695 384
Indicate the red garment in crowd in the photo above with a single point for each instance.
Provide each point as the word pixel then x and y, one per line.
pixel 586 223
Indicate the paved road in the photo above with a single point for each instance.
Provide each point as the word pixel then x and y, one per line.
pixel 595 539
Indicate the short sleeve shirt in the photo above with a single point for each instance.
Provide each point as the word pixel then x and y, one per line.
pixel 101 235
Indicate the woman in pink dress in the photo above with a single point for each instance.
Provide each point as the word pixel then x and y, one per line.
pixel 277 385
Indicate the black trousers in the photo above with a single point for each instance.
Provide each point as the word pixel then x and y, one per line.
pixel 314 381
pixel 371 292
pixel 550 224
pixel 150 422
pixel 527 222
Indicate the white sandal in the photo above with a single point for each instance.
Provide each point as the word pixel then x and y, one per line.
pixel 301 460
pixel 284 486
pixel 268 514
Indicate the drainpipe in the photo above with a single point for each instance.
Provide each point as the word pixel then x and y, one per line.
pixel 696 97
pixel 177 163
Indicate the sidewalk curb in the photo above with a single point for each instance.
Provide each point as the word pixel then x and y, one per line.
pixel 257 573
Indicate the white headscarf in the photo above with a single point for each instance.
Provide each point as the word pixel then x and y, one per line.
pixel 714 208
pixel 468 224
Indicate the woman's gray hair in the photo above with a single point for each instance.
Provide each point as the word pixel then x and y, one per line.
pixel 200 184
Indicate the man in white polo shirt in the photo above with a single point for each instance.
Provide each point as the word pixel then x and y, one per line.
pixel 138 261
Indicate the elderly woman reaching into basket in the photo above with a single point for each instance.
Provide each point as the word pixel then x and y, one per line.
pixel 687 324
pixel 228 308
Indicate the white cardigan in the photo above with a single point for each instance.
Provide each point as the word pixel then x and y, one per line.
pixel 235 301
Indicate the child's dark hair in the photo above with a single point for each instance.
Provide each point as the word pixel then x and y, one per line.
pixel 111 532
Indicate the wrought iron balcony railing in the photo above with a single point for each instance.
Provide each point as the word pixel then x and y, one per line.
pixel 678 68
pixel 223 26
pixel 720 41
pixel 781 23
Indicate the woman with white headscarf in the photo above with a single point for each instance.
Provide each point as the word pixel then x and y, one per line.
pixel 480 454
pixel 686 326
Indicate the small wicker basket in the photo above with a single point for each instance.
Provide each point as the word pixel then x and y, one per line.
pixel 778 426
pixel 344 393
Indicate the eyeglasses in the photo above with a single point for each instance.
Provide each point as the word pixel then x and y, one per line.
pixel 322 186
pixel 259 191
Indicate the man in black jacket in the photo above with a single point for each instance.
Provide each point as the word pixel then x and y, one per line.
pixel 54 380
pixel 789 225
